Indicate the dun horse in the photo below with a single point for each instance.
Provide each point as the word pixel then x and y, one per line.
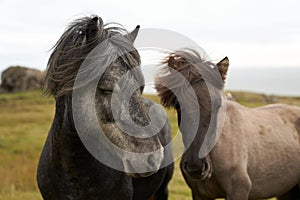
pixel 66 169
pixel 257 155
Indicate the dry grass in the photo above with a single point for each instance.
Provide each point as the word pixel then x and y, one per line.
pixel 25 119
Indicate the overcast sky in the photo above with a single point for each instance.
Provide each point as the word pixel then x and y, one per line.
pixel 254 33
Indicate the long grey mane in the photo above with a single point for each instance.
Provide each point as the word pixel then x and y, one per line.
pixel 74 46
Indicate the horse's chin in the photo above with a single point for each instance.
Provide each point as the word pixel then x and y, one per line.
pixel 140 175
pixel 196 176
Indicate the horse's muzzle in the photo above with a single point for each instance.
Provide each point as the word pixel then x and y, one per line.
pixel 198 171
pixel 138 166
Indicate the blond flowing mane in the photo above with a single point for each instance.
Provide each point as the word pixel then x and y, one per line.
pixel 192 67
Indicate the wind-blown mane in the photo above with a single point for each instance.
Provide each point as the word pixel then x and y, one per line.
pixel 80 38
pixel 192 67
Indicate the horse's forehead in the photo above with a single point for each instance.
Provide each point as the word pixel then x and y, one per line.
pixel 115 69
pixel 112 73
pixel 203 86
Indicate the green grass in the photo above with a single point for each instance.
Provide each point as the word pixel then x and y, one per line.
pixel 25 119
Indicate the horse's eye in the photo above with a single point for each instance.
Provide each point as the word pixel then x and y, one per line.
pixel 176 105
pixel 106 91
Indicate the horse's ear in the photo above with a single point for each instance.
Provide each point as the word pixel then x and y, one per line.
pixel 131 36
pixel 223 67
pixel 93 28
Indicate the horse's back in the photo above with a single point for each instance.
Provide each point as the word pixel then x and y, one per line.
pixel 288 113
pixel 273 119
pixel 287 116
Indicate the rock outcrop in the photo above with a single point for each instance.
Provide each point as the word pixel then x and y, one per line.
pixel 17 79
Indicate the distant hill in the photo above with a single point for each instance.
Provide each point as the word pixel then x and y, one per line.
pixel 256 99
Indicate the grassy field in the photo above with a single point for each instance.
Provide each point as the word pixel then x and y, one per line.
pixel 24 123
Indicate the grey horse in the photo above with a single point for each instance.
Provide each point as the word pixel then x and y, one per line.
pixel 67 169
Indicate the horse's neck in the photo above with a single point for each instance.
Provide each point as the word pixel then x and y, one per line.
pixel 67 148
pixel 63 132
pixel 63 121
pixel 69 159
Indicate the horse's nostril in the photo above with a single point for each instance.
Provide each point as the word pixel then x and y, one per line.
pixel 205 167
pixel 191 169
pixel 128 165
pixel 197 171
pixel 186 168
pixel 151 161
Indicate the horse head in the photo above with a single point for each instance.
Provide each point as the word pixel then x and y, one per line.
pixel 194 87
pixel 98 68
